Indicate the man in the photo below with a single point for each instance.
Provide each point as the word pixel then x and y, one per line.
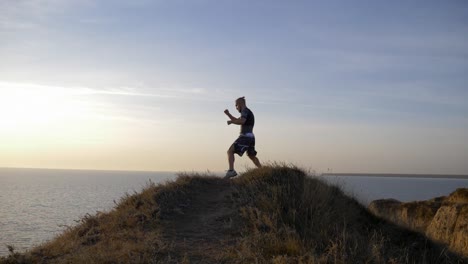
pixel 246 140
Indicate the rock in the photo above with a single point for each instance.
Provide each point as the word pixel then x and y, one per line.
pixel 415 215
pixel 444 219
pixel 443 224
pixel 460 232
pixel 418 215
pixel 450 226
pixel 383 207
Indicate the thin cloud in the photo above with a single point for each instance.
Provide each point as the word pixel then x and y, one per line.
pixel 117 104
pixel 416 92
pixel 27 14
pixel 120 92
pixel 167 93
pixel 33 88
pixel 187 90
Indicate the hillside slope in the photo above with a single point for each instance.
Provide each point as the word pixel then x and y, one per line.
pixel 275 214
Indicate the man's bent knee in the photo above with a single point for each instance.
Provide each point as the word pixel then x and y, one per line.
pixel 230 150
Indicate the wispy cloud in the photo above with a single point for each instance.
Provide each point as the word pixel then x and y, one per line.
pixel 416 92
pixel 122 92
pixel 27 14
pixel 37 89
pixel 186 90
pixel 125 104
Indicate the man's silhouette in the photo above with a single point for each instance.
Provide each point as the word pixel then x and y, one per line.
pixel 246 140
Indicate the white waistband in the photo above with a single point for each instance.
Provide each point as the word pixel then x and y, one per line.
pixel 251 135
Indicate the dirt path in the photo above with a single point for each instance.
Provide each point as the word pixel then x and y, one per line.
pixel 207 226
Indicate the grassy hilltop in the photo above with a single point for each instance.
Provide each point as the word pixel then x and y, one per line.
pixel 276 214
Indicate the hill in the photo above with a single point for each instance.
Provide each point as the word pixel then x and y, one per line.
pixel 276 214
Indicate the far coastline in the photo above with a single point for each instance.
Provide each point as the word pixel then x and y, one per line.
pixel 400 175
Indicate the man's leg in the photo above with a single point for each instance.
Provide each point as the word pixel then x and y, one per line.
pixel 255 161
pixel 230 154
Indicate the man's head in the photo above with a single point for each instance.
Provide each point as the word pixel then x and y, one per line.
pixel 240 103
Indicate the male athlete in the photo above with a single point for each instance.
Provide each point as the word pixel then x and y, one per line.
pixel 246 140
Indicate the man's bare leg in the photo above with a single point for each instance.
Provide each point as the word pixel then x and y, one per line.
pixel 255 161
pixel 230 154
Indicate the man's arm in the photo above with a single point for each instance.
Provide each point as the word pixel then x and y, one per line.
pixel 234 120
pixel 237 121
pixel 229 115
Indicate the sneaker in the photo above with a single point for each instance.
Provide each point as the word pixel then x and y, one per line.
pixel 230 174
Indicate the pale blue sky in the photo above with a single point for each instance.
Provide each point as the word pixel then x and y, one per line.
pixel 370 86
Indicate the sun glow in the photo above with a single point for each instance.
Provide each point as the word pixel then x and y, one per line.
pixel 36 112
pixel 28 106
pixel 61 127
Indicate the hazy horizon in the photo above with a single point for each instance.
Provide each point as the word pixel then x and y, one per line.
pixel 362 86
pixel 313 172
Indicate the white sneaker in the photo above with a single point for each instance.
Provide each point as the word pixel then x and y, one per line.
pixel 230 174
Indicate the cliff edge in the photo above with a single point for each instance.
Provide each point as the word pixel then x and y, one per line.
pixel 443 219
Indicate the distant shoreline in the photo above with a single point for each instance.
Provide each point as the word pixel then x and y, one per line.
pixel 394 175
pixel 402 175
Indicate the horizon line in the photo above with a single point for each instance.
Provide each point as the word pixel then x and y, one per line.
pixel 375 174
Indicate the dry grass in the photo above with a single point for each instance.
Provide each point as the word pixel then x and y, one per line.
pixel 276 214
pixel 294 218
pixel 458 196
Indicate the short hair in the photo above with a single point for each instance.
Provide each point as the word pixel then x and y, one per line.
pixel 241 99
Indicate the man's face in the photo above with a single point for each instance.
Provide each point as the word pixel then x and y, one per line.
pixel 238 107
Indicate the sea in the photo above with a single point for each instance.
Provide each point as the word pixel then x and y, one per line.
pixel 37 204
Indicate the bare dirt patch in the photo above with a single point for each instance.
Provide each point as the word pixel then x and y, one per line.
pixel 205 226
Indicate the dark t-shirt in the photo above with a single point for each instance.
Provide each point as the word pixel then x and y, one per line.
pixel 247 127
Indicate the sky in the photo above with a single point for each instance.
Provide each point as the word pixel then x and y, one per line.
pixel 335 86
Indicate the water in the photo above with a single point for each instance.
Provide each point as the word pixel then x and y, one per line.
pixel 408 188
pixel 36 204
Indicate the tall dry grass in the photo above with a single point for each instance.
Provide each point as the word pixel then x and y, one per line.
pixel 295 218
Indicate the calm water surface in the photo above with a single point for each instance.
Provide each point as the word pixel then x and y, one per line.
pixel 369 188
pixel 37 204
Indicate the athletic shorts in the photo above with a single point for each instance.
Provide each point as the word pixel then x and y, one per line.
pixel 243 144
